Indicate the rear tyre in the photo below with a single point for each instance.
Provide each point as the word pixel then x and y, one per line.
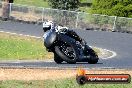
pixel 93 60
pixel 93 56
pixel 57 59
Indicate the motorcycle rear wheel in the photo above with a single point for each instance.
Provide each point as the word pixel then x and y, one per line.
pixel 93 60
pixel 93 57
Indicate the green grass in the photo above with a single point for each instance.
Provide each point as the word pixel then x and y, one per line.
pixel 86 1
pixel 44 3
pixel 21 84
pixel 85 9
pixel 41 3
pixel 61 83
pixel 71 83
pixel 38 3
pixel 22 48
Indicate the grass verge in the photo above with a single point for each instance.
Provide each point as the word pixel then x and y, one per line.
pixel 38 3
pixel 22 48
pixel 44 3
pixel 62 83
pixel 71 83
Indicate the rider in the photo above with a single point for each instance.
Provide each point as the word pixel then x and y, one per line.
pixel 49 25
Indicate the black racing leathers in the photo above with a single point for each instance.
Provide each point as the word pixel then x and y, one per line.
pixel 74 35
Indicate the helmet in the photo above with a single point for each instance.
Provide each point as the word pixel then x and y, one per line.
pixel 47 25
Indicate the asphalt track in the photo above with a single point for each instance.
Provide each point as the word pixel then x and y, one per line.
pixel 121 43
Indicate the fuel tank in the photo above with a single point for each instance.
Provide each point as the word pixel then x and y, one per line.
pixel 49 38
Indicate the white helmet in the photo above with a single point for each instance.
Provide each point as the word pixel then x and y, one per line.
pixel 47 25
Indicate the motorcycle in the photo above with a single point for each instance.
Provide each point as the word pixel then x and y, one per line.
pixel 68 49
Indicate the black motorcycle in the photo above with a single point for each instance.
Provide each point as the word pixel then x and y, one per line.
pixel 68 49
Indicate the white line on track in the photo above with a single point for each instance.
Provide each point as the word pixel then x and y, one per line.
pixel 113 53
pixel 20 34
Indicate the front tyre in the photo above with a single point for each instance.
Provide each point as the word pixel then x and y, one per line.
pixel 61 52
pixel 57 59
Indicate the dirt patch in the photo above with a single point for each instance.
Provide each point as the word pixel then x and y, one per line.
pixel 43 74
pixel 34 74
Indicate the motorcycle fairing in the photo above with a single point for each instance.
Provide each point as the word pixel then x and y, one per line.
pixel 49 37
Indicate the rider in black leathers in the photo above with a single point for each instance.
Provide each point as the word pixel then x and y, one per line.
pixel 83 49
pixel 51 26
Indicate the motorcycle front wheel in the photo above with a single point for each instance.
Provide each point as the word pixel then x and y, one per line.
pixel 57 59
pixel 66 52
